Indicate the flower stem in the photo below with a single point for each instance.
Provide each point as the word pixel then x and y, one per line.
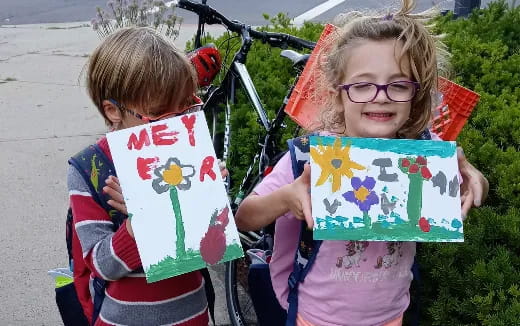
pixel 366 220
pixel 179 225
pixel 414 205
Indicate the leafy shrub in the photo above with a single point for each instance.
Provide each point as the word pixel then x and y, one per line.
pixel 478 282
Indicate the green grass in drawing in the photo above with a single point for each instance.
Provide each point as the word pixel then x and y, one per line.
pixel 192 260
pixel 334 229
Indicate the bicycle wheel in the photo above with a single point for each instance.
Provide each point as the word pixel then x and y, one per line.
pixel 240 306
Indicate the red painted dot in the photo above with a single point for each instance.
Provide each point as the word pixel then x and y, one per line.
pixel 425 172
pixel 414 168
pixel 420 160
pixel 424 225
pixel 405 163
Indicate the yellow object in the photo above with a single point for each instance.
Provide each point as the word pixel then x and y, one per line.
pixel 173 176
pixel 61 281
pixel 334 162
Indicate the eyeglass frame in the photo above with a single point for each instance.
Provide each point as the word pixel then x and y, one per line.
pixel 383 87
pixel 190 109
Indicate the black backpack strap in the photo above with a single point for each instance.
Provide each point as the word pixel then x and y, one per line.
pixel 95 167
pixel 308 247
pixel 210 293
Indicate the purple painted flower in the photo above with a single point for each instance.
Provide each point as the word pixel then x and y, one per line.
pixel 362 195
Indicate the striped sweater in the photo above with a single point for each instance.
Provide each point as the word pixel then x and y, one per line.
pixel 99 251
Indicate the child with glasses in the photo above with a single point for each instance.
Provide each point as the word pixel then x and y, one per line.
pixel 382 72
pixel 134 76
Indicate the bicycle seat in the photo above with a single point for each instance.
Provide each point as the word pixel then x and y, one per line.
pixel 295 57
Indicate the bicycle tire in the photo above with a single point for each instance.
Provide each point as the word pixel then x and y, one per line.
pixel 239 304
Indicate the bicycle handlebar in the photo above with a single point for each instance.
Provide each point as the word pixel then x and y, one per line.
pixel 211 16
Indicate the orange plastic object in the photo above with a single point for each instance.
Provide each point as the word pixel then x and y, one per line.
pixel 308 98
pixel 453 112
pixel 305 101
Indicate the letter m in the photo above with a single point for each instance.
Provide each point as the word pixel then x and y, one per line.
pixel 137 143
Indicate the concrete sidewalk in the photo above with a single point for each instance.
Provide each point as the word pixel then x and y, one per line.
pixel 46 116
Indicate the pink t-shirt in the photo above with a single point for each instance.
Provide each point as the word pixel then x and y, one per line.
pixel 351 282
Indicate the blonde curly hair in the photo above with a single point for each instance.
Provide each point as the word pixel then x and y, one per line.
pixel 425 52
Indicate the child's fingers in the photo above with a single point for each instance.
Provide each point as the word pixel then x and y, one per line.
pixel 113 182
pixel 466 202
pixel 306 174
pixel 117 205
pixel 114 193
pixel 307 212
pixel 224 172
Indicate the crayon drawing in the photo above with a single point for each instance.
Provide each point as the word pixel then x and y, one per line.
pixel 385 189
pixel 175 196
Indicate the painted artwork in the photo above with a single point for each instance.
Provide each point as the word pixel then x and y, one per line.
pixel 385 189
pixel 175 196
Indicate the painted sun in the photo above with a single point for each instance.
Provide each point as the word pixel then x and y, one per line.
pixel 334 162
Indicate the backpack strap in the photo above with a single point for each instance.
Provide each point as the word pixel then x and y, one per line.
pixel 94 167
pixel 308 247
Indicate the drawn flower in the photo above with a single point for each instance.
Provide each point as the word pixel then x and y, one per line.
pixel 172 174
pixel 362 195
pixel 334 162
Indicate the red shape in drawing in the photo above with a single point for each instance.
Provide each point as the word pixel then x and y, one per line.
pixel 213 244
pixel 189 122
pixel 145 165
pixel 223 218
pixel 414 168
pixel 138 143
pixel 424 224
pixel 207 168
pixel 162 137
pixel 405 163
pixel 425 172
pixel 420 160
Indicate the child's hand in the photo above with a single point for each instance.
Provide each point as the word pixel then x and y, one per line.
pixel 113 189
pixel 223 171
pixel 474 187
pixel 299 197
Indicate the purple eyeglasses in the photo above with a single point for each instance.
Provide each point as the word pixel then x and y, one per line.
pixel 397 91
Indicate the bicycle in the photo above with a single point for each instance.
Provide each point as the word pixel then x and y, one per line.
pixel 239 304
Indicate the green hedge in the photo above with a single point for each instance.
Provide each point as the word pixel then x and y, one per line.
pixel 478 282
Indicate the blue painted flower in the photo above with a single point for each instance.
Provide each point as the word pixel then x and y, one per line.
pixel 362 195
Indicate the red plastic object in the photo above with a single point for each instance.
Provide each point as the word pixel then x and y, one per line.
pixel 453 112
pixel 307 98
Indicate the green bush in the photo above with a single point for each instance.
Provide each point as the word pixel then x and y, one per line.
pixel 477 282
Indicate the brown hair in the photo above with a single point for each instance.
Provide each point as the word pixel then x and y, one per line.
pixel 136 66
pixel 423 50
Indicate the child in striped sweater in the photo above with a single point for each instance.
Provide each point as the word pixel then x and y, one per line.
pixel 134 76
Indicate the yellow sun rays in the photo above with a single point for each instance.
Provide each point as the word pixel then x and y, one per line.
pixel 335 162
